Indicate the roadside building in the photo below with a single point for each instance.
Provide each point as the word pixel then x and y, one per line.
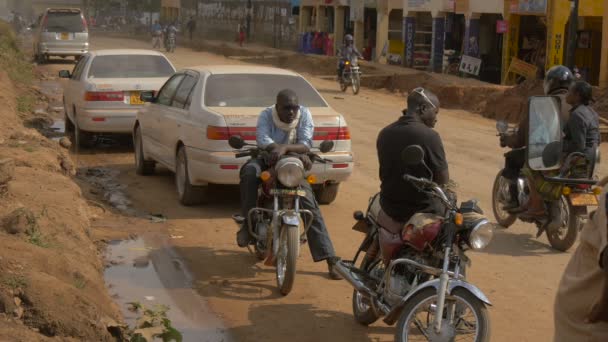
pixel 437 29
pixel 170 10
pixel 603 78
pixel 538 35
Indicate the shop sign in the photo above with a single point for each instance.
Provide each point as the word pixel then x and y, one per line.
pixel 470 65
pixel 522 68
pixel 502 26
pixel 418 4
pixel 409 29
pixel 356 10
pixel 530 6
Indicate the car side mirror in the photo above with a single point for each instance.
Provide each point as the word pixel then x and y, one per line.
pixel 502 126
pixel 326 146
pixel 236 142
pixel 147 96
pixel 412 155
pixel 65 74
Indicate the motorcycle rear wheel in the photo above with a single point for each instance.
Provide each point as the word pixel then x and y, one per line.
pixel 564 238
pixel 287 257
pixel 502 217
pixel 423 303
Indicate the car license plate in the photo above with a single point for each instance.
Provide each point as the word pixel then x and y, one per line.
pixel 135 99
pixel 581 200
pixel 65 36
pixel 288 192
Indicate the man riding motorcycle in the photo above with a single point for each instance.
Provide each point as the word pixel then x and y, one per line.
pixel 398 198
pixel 347 52
pixel 286 128
pixel 557 81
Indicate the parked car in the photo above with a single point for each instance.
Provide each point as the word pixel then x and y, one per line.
pixel 102 94
pixel 187 126
pixel 61 32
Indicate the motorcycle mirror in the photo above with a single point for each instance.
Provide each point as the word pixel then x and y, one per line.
pixel 326 146
pixel 502 126
pixel 412 155
pixel 236 142
pixel 552 154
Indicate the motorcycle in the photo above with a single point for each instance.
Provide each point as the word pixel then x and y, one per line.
pixel 544 155
pixel 351 76
pixel 415 273
pixel 170 43
pixel 278 224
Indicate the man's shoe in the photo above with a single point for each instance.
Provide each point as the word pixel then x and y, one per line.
pixel 331 266
pixel 243 238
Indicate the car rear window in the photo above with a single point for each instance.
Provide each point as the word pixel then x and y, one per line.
pixel 130 66
pixel 257 90
pixel 64 22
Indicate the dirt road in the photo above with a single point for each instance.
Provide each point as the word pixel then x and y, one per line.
pixel 518 272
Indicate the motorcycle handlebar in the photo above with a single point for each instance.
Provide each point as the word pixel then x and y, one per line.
pixel 242 154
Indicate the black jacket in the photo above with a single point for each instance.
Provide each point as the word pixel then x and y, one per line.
pixel 582 131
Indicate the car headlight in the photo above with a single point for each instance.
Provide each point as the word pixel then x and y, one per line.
pixel 290 171
pixel 481 235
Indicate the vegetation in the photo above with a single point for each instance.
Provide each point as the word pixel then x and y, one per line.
pixel 153 323
pixel 16 63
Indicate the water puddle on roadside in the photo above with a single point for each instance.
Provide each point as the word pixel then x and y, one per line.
pixel 147 270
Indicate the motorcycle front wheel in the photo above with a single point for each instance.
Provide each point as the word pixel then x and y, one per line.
pixel 471 321
pixel 289 244
pixel 343 84
pixel 356 83
pixel 500 193
pixel 565 236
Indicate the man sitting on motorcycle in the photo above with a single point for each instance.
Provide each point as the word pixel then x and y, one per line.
pixel 348 52
pixel 557 82
pixel 286 128
pixel 399 199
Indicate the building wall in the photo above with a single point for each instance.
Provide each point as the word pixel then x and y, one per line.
pixel 603 81
pixel 271 22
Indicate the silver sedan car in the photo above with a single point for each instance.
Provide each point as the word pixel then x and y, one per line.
pixel 102 94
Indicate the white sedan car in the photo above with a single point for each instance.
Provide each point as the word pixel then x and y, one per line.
pixel 102 94
pixel 187 126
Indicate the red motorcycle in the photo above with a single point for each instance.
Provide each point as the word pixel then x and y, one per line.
pixel 414 273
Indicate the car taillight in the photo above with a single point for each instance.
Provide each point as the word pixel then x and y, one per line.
pixel 332 133
pixel 224 133
pixel 583 186
pixel 110 96
pixel 84 24
pixel 45 20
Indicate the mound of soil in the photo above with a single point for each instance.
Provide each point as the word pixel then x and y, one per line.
pixel 51 282
pixel 510 104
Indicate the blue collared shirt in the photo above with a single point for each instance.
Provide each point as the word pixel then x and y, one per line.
pixel 267 133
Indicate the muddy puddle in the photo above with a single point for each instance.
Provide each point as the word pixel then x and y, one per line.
pixel 106 179
pixel 148 271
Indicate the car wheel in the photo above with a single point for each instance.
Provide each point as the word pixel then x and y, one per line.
pixel 188 194
pixel 82 138
pixel 327 193
pixel 142 167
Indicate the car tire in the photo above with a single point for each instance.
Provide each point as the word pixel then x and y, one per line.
pixel 69 125
pixel 82 138
pixel 327 193
pixel 187 193
pixel 143 167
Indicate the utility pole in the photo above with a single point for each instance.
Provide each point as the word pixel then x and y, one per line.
pixel 572 34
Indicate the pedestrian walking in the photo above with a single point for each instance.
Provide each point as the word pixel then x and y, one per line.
pixel 191 26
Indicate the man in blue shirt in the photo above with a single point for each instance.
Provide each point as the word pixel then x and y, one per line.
pixel 285 128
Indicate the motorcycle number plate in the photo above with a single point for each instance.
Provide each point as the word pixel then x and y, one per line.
pixel 580 200
pixel 288 192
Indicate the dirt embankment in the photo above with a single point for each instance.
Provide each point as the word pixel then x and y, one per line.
pixel 51 284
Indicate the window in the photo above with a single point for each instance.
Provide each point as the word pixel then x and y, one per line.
pixel 166 93
pixel 130 66
pixel 182 96
pixel 64 21
pixel 79 68
pixel 257 90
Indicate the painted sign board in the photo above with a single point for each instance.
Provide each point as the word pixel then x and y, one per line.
pixel 470 65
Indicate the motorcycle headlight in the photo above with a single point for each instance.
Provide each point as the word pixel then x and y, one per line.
pixel 481 235
pixel 290 172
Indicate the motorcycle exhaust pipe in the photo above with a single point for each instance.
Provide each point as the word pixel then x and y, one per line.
pixel 343 270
